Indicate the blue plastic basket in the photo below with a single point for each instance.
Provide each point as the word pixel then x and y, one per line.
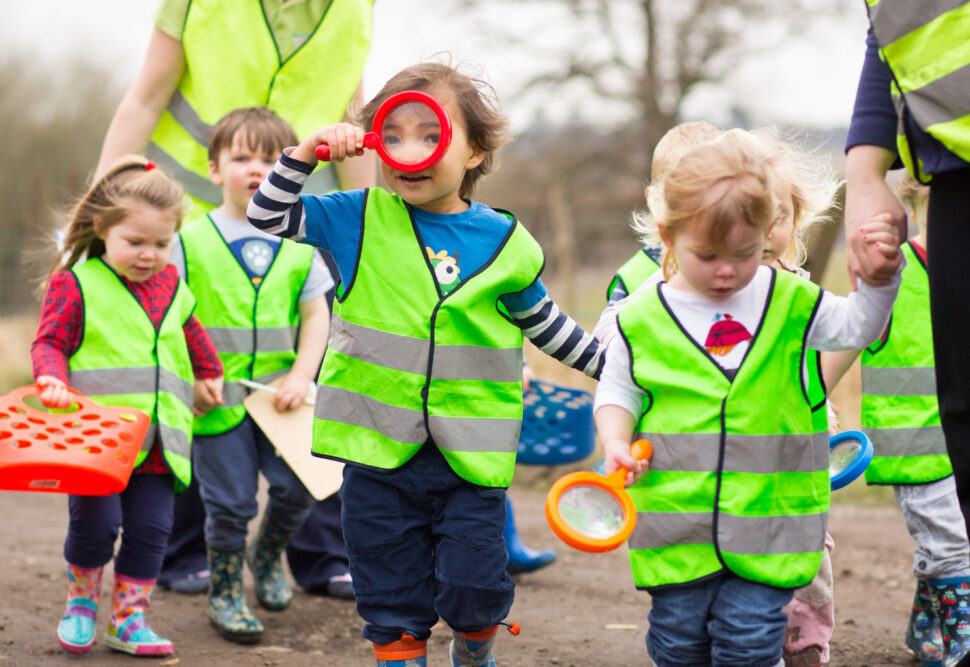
pixel 557 425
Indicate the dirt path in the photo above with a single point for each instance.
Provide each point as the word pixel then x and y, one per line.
pixel 564 610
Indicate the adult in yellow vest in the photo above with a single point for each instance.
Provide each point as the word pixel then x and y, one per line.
pixel 205 57
pixel 304 60
pixel 901 415
pixel 912 109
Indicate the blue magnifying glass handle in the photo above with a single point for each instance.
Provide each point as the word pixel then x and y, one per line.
pixel 847 471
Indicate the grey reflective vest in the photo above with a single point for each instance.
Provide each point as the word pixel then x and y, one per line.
pixel 900 412
pixel 253 329
pixel 231 61
pixel 927 48
pixel 739 474
pixel 122 360
pixel 633 273
pixel 406 362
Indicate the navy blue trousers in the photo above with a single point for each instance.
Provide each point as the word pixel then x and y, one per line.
pixel 185 553
pixel 423 542
pixel 317 551
pixel 144 513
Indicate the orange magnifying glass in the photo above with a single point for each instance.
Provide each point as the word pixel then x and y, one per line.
pixel 593 512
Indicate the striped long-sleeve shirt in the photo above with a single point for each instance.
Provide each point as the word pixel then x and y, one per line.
pixel 462 242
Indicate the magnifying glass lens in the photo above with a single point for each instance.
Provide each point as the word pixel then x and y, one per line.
pixel 591 511
pixel 843 455
pixel 411 132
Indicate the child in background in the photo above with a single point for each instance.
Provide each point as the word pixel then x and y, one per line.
pixel 117 325
pixel 678 140
pixel 254 293
pixel 421 387
pixel 720 578
pixel 901 414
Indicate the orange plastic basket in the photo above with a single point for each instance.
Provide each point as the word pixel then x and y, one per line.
pixel 87 449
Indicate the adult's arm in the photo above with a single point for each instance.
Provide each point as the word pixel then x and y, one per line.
pixel 871 147
pixel 142 106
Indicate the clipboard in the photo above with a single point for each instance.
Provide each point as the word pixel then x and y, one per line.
pixel 292 434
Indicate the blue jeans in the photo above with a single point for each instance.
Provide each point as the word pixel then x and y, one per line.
pixel 144 512
pixel 422 542
pixel 720 621
pixel 227 466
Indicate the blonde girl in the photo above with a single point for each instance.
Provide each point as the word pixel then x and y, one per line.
pixel 732 510
pixel 117 325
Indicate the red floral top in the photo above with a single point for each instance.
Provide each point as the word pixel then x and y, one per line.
pixel 61 329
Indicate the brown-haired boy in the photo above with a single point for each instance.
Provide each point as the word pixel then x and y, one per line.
pixel 254 293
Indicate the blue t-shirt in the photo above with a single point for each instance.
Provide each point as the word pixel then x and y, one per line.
pixel 458 244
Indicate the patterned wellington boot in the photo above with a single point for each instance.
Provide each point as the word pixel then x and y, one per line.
pixel 473 649
pixel 924 634
pixel 954 596
pixel 273 590
pixel 228 611
pixel 128 630
pixel 408 651
pixel 75 632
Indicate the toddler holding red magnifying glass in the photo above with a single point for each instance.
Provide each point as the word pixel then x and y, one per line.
pixel 421 387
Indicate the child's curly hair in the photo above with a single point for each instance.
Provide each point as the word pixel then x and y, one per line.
pixel 716 185
pixel 485 125
pixel 813 184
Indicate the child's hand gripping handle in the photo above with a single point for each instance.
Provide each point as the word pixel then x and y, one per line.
pixel 641 450
pixel 322 151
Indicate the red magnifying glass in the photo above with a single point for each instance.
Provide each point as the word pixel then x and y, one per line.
pixel 593 512
pixel 411 131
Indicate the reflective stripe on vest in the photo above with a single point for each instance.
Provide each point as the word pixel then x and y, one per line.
pixel 123 361
pixel 231 61
pixel 926 47
pixel 763 471
pixel 254 330
pixel 900 412
pixel 405 363
pixel 633 273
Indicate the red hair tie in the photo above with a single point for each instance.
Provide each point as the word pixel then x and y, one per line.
pixel 149 165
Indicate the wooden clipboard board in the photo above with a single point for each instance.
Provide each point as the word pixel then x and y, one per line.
pixel 292 434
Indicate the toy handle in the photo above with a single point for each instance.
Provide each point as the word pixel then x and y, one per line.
pixel 641 450
pixel 322 151
pixel 35 389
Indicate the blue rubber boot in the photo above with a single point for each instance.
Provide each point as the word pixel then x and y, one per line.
pixel 924 634
pixel 521 557
pixel 954 596
pixel 408 651
pixel 228 611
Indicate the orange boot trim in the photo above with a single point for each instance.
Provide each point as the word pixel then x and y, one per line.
pixel 405 648
pixel 480 635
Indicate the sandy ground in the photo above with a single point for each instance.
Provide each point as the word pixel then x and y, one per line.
pixel 570 612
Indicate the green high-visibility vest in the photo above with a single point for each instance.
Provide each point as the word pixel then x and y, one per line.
pixel 231 61
pixel 927 49
pixel 900 412
pixel 406 363
pixel 633 273
pixel 255 330
pixel 739 474
pixel 124 361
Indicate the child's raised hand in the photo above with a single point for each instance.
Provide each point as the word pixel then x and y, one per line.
pixel 206 394
pixel 53 392
pixel 616 454
pixel 345 140
pixel 292 392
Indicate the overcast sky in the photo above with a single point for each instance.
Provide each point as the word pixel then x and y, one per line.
pixel 811 81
